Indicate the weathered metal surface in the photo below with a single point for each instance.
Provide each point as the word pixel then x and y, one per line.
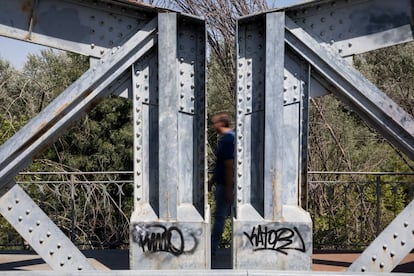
pixel 87 27
pixel 353 27
pixel 270 230
pixel 170 225
pixel 390 247
pixel 351 87
pixel 40 231
pixel 82 95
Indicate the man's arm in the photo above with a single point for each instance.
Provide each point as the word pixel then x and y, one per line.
pixel 229 174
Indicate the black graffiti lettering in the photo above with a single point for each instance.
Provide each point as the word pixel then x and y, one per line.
pixel 279 240
pixel 158 238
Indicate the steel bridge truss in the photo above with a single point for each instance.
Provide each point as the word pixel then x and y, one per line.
pixel 156 58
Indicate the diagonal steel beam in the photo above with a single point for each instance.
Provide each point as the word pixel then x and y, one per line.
pixel 40 232
pixel 87 27
pixel 390 247
pixel 82 95
pixel 357 26
pixel 350 86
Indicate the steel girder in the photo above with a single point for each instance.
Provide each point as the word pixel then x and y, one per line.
pixel 88 27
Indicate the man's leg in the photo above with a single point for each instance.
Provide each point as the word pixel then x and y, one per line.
pixel 220 214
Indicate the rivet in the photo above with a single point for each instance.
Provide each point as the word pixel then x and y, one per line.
pixel 239 200
pixel 239 187
pixel 137 73
pixel 405 224
pixel 339 50
pixel 138 198
pixel 9 207
pixel 385 247
pixel 374 258
pixel 48 234
pixel 381 265
pixel 92 45
pixel 395 235
pixel 138 160
pixel 392 254
pixel 402 242
pixel 349 44
pixel 17 201
pixel 138 173
pixel 363 269
pixel 41 241
pixel 80 267
pixel 69 257
pixel 58 246
pixel 51 252
pixel 27 212
pixel 20 219
pixel 62 263
pixel 30 230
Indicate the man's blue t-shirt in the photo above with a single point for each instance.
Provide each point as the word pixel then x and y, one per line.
pixel 224 151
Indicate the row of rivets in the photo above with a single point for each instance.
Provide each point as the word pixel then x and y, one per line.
pixel 141 91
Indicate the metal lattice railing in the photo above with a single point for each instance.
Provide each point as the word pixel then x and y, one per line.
pixel 348 209
pixel 92 208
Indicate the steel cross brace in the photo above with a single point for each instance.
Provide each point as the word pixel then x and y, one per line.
pixel 351 87
pixel 390 247
pixel 16 153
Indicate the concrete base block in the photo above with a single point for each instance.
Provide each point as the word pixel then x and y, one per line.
pixel 169 245
pixel 278 245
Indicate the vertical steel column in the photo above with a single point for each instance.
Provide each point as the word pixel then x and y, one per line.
pixel 273 156
pixel 170 223
pixel 270 230
pixel 168 119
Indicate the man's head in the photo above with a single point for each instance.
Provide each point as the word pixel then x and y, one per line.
pixel 221 121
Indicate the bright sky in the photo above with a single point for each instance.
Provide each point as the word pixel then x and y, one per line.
pixel 16 51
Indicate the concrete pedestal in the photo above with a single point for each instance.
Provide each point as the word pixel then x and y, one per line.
pixel 278 245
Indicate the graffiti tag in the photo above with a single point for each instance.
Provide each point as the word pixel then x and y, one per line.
pixel 280 240
pixel 158 238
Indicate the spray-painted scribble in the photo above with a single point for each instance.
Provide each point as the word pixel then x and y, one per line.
pixel 158 238
pixel 280 240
